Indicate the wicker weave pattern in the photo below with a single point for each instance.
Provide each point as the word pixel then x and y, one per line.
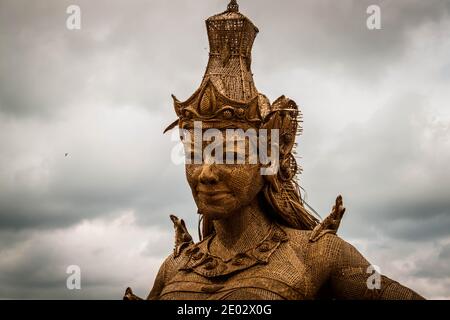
pixel 231 36
pixel 298 269
pixel 258 241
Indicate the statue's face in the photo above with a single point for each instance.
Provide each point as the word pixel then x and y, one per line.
pixel 221 190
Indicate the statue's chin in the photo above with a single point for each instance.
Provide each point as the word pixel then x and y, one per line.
pixel 216 209
pixel 215 215
pixel 212 212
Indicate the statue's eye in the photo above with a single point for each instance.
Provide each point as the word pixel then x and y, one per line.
pixel 192 149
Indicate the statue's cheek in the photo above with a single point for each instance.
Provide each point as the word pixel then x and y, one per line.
pixel 245 180
pixel 192 174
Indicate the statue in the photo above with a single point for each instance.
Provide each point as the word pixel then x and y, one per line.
pixel 257 239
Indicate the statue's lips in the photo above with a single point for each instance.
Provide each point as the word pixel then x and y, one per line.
pixel 213 195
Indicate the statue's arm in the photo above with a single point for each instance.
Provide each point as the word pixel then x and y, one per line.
pixel 352 277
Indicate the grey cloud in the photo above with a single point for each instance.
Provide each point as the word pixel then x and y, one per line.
pixel 36 266
pixel 445 252
pixel 375 164
pixel 122 51
pixel 297 34
pixel 436 267
pixel 402 222
pixel 150 198
pixel 119 55
pixel 102 94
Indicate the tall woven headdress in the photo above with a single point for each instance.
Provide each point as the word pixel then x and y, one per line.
pixel 227 95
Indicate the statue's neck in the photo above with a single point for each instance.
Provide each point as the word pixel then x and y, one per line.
pixel 241 232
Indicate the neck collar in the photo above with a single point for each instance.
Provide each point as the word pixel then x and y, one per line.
pixel 201 261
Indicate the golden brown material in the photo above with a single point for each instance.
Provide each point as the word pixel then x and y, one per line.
pixel 129 295
pixel 331 223
pixel 182 236
pixel 258 240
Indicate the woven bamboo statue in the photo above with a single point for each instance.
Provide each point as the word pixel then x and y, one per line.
pixel 257 241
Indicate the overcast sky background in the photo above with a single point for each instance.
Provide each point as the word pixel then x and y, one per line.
pixel 376 130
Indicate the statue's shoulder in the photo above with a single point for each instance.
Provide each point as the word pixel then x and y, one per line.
pixel 171 264
pixel 326 248
pixel 303 238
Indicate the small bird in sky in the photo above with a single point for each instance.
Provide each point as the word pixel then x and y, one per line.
pixel 66 154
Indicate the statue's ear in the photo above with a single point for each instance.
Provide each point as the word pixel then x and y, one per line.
pixel 284 117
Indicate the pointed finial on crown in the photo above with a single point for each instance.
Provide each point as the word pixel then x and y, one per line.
pixel 233 6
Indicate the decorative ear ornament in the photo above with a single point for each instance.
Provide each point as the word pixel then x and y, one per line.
pixel 282 190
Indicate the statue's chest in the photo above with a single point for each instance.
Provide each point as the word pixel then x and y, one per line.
pixel 271 270
pixel 269 282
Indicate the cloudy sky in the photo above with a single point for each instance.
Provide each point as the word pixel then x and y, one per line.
pixel 377 130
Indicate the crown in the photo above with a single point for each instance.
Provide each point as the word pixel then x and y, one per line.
pixel 231 36
pixel 227 91
pixel 208 104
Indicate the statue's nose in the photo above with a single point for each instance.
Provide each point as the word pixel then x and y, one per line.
pixel 208 175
